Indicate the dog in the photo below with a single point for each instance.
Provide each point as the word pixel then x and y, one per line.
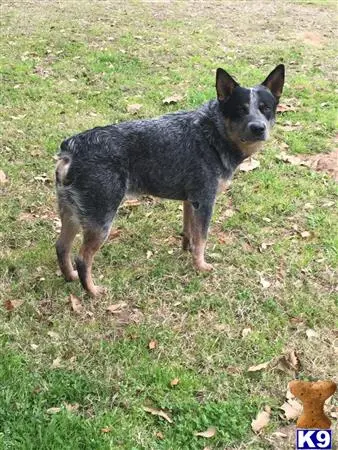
pixel 180 156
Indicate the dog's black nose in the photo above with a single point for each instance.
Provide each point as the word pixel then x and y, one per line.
pixel 257 128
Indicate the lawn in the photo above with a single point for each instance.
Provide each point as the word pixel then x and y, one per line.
pixel 178 341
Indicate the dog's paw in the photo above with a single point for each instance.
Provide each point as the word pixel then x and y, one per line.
pixel 72 276
pixel 204 266
pixel 97 291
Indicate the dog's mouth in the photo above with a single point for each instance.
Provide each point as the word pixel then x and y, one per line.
pixel 253 139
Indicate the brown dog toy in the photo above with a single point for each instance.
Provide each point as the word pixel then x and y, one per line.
pixel 313 396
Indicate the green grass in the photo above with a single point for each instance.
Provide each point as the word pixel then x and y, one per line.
pixel 66 69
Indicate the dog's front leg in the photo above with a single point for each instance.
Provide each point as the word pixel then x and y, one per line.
pixel 200 219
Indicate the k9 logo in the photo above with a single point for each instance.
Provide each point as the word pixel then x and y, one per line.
pixel 314 439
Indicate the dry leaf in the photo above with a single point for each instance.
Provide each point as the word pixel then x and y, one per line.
pixel 173 99
pixel 209 433
pixel 292 409
pixel 262 420
pixel 10 305
pixel 305 234
pixel 246 331
pixel 71 408
pixel 174 382
pixel 114 234
pixel 289 363
pixel 264 246
pixel 284 107
pixel 53 410
pixel 134 108
pixel 158 412
pixel 249 164
pixel 106 430
pixel 56 363
pixel 159 435
pixel 152 344
pixel 75 303
pixel 116 308
pixel 265 283
pixel 311 334
pixel 3 177
pixel 228 212
pixel 53 334
pixel 132 202
pixel 149 254
pixel 259 367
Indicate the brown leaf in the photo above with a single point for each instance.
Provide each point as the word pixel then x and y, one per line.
pixel 114 234
pixel 10 305
pixel 292 409
pixel 264 246
pixel 106 430
pixel 259 367
pixel 53 410
pixel 289 363
pixel 130 203
pixel 172 99
pixel 228 212
pixel 3 177
pixel 134 108
pixel 305 234
pixel 209 433
pixel 262 420
pixel 149 254
pixel 174 382
pixel 152 344
pixel 284 107
pixel 116 308
pixel 159 435
pixel 158 412
pixel 249 164
pixel 75 304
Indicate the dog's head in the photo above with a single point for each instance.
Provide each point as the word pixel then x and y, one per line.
pixel 249 114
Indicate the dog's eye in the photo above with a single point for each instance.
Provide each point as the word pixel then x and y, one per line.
pixel 264 108
pixel 243 110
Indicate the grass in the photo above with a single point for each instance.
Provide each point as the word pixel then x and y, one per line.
pixel 66 69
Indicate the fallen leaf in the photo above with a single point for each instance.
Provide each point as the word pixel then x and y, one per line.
pixel 3 177
pixel 10 305
pixel 289 363
pixel 285 107
pixel 71 408
pixel 311 334
pixel 262 420
pixel 174 382
pixel 264 246
pixel 157 412
pixel 229 212
pixel 56 363
pixel 152 344
pixel 259 367
pixel 173 99
pixel 116 308
pixel 53 410
pixel 209 433
pixel 106 430
pixel 53 334
pixel 132 202
pixel 265 283
pixel 233 370
pixel 249 164
pixel 114 234
pixel 149 254
pixel 279 434
pixel 305 234
pixel 246 332
pixel 134 108
pixel 159 435
pixel 75 303
pixel 292 409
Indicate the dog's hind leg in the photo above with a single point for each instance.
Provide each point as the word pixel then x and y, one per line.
pixel 63 245
pixel 187 217
pixel 93 238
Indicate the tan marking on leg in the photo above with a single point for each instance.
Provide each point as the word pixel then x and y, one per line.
pixel 187 213
pixel 64 245
pixel 198 246
pixel 92 241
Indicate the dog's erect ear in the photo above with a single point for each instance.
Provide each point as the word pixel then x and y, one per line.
pixel 225 84
pixel 275 81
